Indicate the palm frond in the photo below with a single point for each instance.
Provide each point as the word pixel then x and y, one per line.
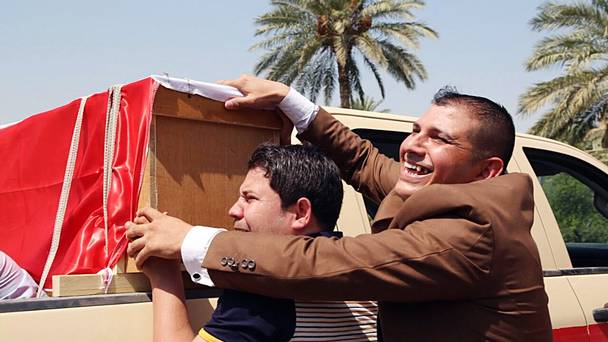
pixel 278 40
pixel 284 18
pixel 403 65
pixel 581 15
pixel 572 51
pixel 408 34
pixel 353 75
pixel 372 49
pixel 267 60
pixel 392 9
pixel 374 71
pixel 544 93
pixel 317 75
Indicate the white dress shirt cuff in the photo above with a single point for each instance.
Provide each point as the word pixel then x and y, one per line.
pixel 298 109
pixel 194 249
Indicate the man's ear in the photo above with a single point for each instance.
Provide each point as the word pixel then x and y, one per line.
pixel 303 211
pixel 491 167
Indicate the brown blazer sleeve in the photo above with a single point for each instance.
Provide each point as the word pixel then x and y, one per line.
pixel 394 265
pixel 361 164
pixel 441 249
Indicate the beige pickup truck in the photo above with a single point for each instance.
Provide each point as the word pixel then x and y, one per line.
pixel 574 253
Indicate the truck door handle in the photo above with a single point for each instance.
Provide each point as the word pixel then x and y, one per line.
pixel 601 314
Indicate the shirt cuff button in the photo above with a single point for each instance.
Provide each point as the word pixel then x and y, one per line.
pixel 251 265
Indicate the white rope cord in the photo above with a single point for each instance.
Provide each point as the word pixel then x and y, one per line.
pixel 63 198
pixel 106 275
pixel 114 96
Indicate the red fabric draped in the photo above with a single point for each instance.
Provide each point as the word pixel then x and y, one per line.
pixel 33 155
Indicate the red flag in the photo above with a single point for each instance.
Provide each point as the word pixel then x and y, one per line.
pixel 33 156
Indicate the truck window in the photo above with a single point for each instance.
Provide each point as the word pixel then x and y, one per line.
pixel 387 142
pixel 577 194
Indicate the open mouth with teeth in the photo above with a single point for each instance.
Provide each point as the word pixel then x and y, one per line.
pixel 416 170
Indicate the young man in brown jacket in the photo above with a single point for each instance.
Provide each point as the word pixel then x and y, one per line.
pixel 451 257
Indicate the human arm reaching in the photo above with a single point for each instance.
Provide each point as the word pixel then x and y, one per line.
pixel 170 314
pixel 361 165
pixel 169 304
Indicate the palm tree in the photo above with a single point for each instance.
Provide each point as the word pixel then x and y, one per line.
pixel 578 98
pixel 315 43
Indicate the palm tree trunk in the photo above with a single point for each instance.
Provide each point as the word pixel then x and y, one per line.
pixel 344 83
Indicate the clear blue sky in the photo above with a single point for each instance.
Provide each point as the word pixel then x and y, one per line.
pixel 55 51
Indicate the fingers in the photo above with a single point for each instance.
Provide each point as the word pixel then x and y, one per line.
pixel 138 251
pixel 258 93
pixel 141 220
pixel 150 214
pixel 141 257
pixel 239 83
pixel 238 102
pixel 231 83
pixel 133 248
pixel 135 231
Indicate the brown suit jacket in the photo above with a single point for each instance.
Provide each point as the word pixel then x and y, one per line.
pixel 452 262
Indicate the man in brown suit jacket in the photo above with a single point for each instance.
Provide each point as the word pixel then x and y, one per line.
pixel 451 256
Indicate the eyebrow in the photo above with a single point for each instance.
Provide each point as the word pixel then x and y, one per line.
pixel 446 134
pixel 436 131
pixel 248 191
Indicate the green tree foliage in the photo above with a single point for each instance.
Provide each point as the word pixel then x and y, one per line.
pixel 578 98
pixel 368 104
pixel 315 45
pixel 572 204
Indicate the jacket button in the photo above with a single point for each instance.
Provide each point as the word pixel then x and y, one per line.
pixel 224 261
pixel 251 265
pixel 244 264
pixel 230 262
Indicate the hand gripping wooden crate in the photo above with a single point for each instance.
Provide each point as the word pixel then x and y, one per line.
pixel 197 159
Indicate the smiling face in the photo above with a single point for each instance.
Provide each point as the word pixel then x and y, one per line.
pixel 258 208
pixel 439 150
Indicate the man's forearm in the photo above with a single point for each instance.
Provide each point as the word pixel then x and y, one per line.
pixel 170 313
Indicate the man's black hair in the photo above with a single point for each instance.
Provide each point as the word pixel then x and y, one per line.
pixel 495 134
pixel 296 171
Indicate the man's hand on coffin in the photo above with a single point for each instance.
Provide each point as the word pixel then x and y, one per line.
pixel 162 236
pixel 258 93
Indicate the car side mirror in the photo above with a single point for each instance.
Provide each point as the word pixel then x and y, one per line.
pixel 601 204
